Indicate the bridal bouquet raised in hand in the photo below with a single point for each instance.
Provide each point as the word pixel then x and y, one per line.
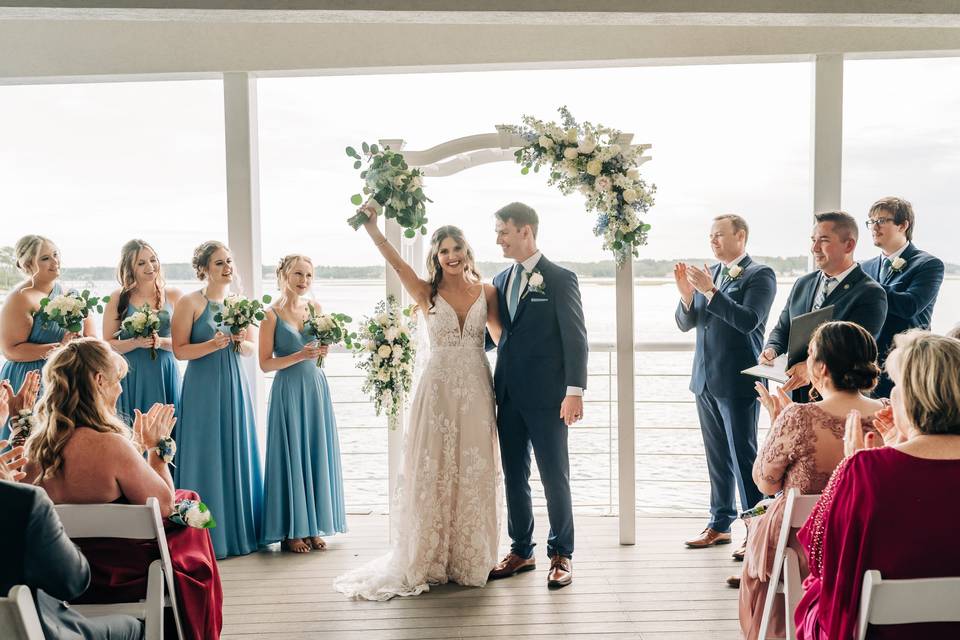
pixel 237 313
pixel 387 357
pixel 393 185
pixel 143 323
pixel 69 310
pixel 329 328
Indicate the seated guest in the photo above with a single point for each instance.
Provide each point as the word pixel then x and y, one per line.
pixel 39 555
pixel 890 508
pixel 911 277
pixel 804 446
pixel 82 453
pixel 838 282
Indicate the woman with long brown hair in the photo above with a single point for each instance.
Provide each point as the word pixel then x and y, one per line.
pixel 152 375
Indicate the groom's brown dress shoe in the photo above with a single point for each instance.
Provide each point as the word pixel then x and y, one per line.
pixel 511 565
pixel 708 538
pixel 561 572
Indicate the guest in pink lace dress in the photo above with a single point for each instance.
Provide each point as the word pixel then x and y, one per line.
pixel 893 508
pixel 804 446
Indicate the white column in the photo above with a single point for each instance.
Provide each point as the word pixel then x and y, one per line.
pixel 626 444
pixel 394 235
pixel 243 205
pixel 826 133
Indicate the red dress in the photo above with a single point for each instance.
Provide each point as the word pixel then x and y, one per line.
pixel 885 510
pixel 118 571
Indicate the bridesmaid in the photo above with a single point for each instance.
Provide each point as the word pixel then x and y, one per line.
pixel 24 340
pixel 303 487
pixel 148 381
pixel 218 456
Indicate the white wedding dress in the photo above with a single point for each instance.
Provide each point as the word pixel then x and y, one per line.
pixel 446 511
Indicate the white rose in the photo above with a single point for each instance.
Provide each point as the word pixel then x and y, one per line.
pixel 734 271
pixel 384 351
pixel 586 190
pixel 536 280
pixel 383 376
pixel 196 518
pixel 633 174
pixel 629 196
pixel 381 319
pixel 594 167
pixel 587 146
pixel 570 169
pixel 898 263
pixel 570 153
pixel 603 183
pixel 398 181
pixel 613 150
pixel 545 142
pixel 572 135
pixel 392 334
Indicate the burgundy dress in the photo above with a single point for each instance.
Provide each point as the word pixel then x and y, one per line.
pixel 118 573
pixel 886 510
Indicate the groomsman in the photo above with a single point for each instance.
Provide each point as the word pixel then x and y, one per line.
pixel 911 277
pixel 838 281
pixel 728 305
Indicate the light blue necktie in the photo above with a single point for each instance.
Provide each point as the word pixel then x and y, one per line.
pixel 885 269
pixel 823 293
pixel 514 298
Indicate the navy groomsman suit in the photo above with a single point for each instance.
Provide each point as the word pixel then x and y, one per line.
pixel 911 293
pixel 730 330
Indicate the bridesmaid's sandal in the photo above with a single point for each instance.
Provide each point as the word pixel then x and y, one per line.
pixel 316 542
pixel 295 545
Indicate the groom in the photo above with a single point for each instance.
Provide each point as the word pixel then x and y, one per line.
pixel 539 380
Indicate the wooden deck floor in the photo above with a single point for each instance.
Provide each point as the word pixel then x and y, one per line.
pixel 655 590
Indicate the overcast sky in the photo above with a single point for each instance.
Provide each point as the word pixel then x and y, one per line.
pixel 92 165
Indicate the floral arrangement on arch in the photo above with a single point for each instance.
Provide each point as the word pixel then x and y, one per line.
pixel 387 357
pixel 587 158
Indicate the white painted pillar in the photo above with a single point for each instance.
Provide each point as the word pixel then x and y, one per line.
pixel 394 235
pixel 243 206
pixel 626 439
pixel 826 133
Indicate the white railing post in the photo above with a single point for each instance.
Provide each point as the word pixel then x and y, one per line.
pixel 627 459
pixel 826 133
pixel 243 206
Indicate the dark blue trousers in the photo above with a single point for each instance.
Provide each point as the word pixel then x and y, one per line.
pixel 729 428
pixel 544 432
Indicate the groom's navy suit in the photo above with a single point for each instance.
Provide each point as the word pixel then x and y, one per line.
pixel 729 336
pixel 911 293
pixel 541 352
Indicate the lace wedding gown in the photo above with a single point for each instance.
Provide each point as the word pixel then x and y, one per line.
pixel 446 511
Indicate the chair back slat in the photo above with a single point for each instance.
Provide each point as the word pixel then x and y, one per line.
pixel 18 616
pixel 910 601
pixel 134 522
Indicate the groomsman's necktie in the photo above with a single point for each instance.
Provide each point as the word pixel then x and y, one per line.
pixel 823 292
pixel 514 298
pixel 885 269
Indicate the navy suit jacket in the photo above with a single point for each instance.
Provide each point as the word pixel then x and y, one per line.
pixel 911 293
pixel 729 330
pixel 857 299
pixel 544 349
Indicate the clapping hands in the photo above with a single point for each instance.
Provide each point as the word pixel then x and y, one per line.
pixel 773 403
pixel 11 463
pixel 154 425
pixel 854 439
pixel 11 403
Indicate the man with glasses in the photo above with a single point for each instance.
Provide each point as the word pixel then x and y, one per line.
pixel 911 277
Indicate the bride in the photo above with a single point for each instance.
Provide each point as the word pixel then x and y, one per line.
pixel 445 513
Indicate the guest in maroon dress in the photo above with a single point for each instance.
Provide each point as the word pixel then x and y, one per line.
pixel 82 453
pixel 890 508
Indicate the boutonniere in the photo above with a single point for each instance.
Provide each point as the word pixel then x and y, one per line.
pixel 734 272
pixel 897 264
pixel 534 282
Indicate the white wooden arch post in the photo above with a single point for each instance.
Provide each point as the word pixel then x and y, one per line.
pixel 457 155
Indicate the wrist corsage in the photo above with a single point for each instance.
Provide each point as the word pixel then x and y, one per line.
pixel 192 513
pixel 166 449
pixel 21 426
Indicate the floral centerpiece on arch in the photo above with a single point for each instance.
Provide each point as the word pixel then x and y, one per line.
pixel 588 158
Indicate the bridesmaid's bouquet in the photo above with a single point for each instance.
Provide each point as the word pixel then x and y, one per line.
pixel 393 185
pixel 329 328
pixel 238 313
pixel 191 513
pixel 387 356
pixel 69 310
pixel 143 323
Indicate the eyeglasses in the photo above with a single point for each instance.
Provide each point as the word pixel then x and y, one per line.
pixel 876 221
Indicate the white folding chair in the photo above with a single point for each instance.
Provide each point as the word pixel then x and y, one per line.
pixel 785 575
pixel 907 601
pixel 133 522
pixel 18 616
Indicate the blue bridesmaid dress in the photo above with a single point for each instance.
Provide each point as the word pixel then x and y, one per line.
pixel 15 372
pixel 149 381
pixel 217 451
pixel 303 485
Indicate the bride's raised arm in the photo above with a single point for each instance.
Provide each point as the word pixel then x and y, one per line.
pixel 418 289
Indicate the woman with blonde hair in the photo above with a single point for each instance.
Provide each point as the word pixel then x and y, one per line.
pixel 302 485
pixel 82 453
pixel 24 339
pixel 152 376
pixel 219 453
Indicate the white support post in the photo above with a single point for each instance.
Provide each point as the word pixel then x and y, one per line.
pixel 826 132
pixel 243 205
pixel 626 440
pixel 394 287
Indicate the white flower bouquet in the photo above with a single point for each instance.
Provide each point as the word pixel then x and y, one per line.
pixel 69 310
pixel 329 328
pixel 587 158
pixel 387 356
pixel 191 513
pixel 21 425
pixel 143 323
pixel 237 313
pixel 393 185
